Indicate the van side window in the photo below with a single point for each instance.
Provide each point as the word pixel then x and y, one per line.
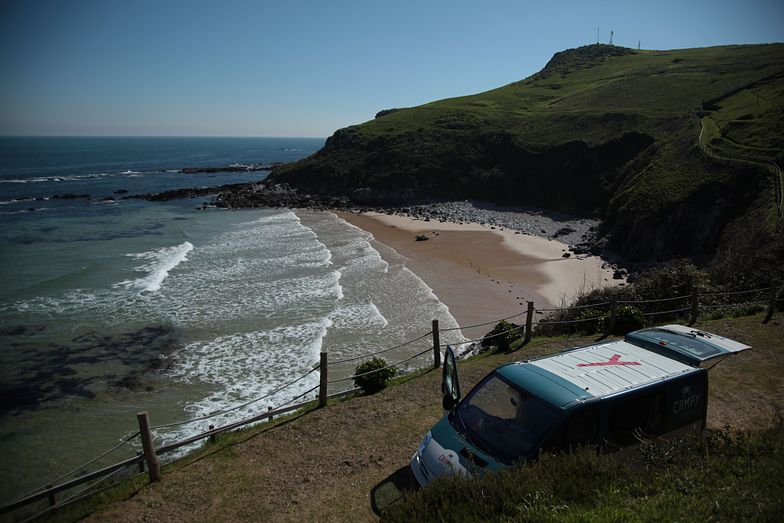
pixel 633 417
pixel 579 429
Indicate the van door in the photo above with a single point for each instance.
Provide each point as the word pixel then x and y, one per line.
pixel 450 383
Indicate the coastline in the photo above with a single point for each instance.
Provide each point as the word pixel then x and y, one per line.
pixel 485 273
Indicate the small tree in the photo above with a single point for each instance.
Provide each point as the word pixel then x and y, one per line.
pixel 370 381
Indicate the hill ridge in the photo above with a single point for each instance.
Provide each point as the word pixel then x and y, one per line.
pixel 603 131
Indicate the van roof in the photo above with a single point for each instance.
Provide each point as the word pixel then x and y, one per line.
pixel 595 371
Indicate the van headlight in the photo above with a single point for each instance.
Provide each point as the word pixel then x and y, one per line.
pixel 425 443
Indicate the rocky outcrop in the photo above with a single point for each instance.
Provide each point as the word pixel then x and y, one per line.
pixel 493 167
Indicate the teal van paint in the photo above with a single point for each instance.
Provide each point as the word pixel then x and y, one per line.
pixel 608 392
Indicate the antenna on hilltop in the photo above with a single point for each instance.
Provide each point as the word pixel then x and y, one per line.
pixel 597 36
pixel 611 35
pixel 638 45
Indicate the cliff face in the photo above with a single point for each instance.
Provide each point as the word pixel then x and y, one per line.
pixel 600 131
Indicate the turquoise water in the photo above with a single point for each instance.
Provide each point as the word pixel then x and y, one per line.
pixel 109 307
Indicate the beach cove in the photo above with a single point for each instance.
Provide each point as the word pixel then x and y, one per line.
pixel 481 272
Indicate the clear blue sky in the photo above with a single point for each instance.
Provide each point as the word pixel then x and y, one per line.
pixel 306 68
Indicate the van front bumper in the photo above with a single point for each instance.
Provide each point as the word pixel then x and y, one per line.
pixel 420 471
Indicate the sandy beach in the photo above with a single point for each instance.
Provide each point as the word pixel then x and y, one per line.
pixel 484 273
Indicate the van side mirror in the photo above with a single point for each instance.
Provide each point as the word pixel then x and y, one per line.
pixel 448 402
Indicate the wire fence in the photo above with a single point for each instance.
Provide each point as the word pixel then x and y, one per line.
pixel 236 407
pixel 699 301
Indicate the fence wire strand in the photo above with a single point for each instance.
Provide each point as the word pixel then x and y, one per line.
pixel 481 324
pixel 82 495
pixel 382 368
pixel 73 471
pixel 742 304
pixel 297 397
pixel 212 415
pixel 409 342
pixel 635 302
pixel 734 293
pixel 667 312
pixel 519 327
pixel 589 306
pixel 553 322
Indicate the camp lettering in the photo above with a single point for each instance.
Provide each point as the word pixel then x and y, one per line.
pixel 685 404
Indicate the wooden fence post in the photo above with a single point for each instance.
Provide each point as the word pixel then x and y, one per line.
pixel 695 305
pixel 771 304
pixel 613 309
pixel 436 345
pixel 212 436
pixel 529 320
pixel 153 465
pixel 51 498
pixel 323 371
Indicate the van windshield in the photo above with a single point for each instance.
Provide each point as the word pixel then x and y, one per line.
pixel 503 420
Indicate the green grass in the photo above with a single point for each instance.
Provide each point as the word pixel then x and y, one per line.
pixel 601 130
pixel 728 477
pixel 749 124
pixel 748 385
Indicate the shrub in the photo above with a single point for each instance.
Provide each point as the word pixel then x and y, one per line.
pixel 374 381
pixel 502 336
pixel 590 327
pixel 628 318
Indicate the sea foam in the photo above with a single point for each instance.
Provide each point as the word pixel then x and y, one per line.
pixel 158 264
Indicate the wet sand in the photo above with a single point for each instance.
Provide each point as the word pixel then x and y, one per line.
pixel 481 273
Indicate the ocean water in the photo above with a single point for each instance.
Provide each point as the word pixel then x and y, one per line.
pixel 113 306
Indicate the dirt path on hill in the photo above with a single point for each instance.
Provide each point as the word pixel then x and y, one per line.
pixel 337 463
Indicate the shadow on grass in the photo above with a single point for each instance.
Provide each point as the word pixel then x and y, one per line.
pixel 392 489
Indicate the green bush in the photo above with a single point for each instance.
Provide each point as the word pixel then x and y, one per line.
pixel 369 381
pixel 628 318
pixel 590 327
pixel 502 336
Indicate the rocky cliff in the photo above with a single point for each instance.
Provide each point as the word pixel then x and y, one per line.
pixel 601 131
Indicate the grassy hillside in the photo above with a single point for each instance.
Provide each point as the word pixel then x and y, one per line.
pixel 601 130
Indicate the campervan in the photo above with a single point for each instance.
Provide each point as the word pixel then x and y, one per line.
pixel 652 382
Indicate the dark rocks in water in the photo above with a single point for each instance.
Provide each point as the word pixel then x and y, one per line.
pixel 566 255
pixel 259 195
pixel 231 168
pixel 619 274
pixel 186 193
pixel 107 199
pixel 13 330
pixel 121 191
pixel 69 196
pixel 130 381
pixel 421 238
pixel 87 365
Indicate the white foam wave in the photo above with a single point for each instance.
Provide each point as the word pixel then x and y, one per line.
pixel 246 366
pixel 159 263
pixel 359 316
pixel 16 200
pixel 75 177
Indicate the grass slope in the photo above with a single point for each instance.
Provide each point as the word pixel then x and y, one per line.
pixel 343 462
pixel 601 130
